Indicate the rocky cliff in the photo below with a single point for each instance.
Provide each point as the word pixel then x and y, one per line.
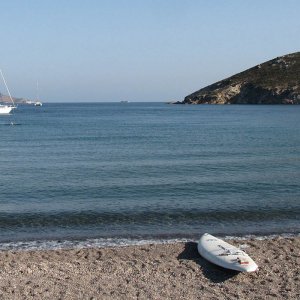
pixel 274 82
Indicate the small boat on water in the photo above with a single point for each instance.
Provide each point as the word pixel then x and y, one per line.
pixel 4 108
pixel 37 102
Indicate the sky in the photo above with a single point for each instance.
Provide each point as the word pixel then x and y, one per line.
pixel 137 50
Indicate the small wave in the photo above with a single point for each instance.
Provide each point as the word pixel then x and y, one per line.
pixel 90 243
pixel 11 124
pixel 115 242
pixel 262 237
pixel 174 216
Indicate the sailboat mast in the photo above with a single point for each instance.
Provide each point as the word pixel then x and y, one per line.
pixel 37 91
pixel 7 88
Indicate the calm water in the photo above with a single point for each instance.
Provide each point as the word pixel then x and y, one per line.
pixel 111 171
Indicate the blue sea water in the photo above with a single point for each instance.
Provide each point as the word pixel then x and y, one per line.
pixel 137 171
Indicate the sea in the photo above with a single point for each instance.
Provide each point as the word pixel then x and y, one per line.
pixel 113 174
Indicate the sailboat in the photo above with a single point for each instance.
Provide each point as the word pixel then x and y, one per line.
pixel 37 102
pixel 4 108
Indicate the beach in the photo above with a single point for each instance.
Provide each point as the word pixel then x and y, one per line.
pixel 151 271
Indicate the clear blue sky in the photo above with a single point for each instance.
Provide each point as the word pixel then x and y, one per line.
pixel 138 50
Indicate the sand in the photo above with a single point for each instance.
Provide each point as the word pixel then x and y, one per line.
pixel 169 271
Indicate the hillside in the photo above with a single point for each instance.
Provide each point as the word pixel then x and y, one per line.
pixel 274 82
pixel 6 99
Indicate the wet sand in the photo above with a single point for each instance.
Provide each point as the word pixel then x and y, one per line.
pixel 170 271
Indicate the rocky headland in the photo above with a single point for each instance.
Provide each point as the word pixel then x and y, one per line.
pixel 274 82
pixel 6 99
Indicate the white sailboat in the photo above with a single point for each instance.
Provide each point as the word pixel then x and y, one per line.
pixel 37 102
pixel 4 108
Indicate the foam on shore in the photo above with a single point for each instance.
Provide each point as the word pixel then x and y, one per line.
pixel 116 242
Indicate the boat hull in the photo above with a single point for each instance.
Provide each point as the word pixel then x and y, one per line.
pixel 5 109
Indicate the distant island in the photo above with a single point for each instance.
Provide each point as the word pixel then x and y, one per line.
pixel 6 99
pixel 274 82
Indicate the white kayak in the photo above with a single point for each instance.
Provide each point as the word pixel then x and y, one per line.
pixel 225 255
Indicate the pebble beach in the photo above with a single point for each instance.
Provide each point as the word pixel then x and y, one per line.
pixel 153 271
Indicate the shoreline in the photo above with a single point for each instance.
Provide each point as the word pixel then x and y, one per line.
pixel 60 244
pixel 150 271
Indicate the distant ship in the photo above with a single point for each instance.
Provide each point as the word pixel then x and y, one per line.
pixel 38 103
pixel 124 101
